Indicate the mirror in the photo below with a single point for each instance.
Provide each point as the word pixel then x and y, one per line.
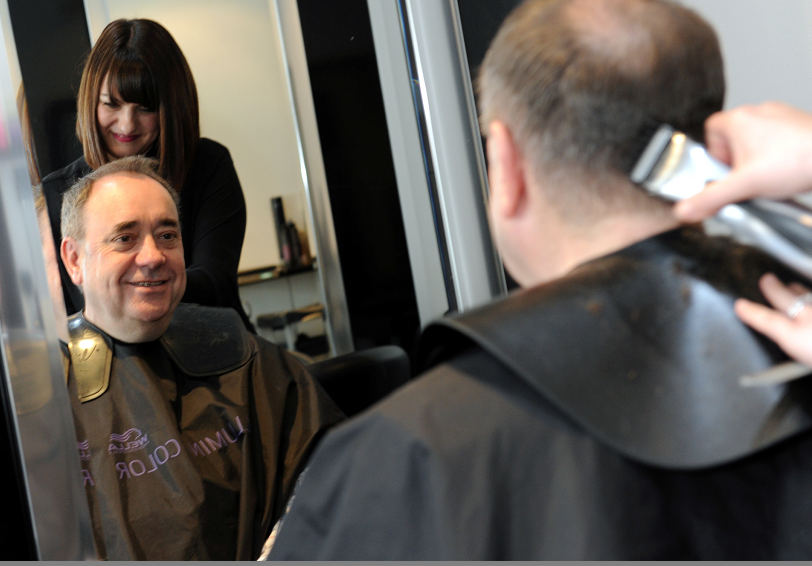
pixel 235 53
pixel 254 66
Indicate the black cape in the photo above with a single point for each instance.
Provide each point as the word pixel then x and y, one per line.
pixel 191 447
pixel 596 417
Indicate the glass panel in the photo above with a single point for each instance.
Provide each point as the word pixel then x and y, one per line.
pixel 35 403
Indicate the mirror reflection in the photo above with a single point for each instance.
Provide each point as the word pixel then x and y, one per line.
pixel 242 177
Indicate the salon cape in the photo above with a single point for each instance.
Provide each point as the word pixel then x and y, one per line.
pixel 190 445
pixel 600 416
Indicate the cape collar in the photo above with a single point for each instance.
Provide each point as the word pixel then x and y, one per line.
pixel 643 350
pixel 202 341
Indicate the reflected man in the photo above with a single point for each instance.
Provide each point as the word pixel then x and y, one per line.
pixel 191 431
pixel 598 412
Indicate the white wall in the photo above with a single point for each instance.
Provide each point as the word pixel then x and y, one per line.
pixel 233 49
pixel 767 47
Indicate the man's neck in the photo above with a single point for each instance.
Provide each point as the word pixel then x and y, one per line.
pixel 130 334
pixel 578 244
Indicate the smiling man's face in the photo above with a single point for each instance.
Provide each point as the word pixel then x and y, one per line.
pixel 129 263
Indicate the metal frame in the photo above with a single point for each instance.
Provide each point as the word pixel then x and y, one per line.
pixel 34 390
pixel 405 136
pixel 314 177
pixel 435 47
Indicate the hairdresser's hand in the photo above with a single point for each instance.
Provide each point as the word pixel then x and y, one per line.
pixel 769 148
pixel 793 334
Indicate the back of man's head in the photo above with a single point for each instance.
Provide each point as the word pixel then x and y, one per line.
pixel 577 81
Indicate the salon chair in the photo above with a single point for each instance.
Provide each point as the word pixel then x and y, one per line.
pixel 357 380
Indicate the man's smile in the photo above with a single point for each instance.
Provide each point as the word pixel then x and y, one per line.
pixel 147 283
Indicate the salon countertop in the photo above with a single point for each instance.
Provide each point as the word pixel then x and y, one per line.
pixel 251 276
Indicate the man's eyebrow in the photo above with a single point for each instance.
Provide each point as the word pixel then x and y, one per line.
pixel 169 222
pixel 125 226
pixel 130 224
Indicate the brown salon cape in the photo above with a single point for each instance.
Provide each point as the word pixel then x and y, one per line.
pixel 600 416
pixel 191 444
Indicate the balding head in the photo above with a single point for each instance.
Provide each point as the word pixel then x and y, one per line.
pixel 73 202
pixel 577 81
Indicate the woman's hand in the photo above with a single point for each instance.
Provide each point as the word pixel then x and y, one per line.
pixel 769 148
pixel 790 324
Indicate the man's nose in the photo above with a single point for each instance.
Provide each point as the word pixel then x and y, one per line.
pixel 149 255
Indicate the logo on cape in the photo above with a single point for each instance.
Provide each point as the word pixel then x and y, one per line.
pixel 130 441
pixel 84 450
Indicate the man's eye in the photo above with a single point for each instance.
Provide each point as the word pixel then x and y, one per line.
pixel 123 239
pixel 169 236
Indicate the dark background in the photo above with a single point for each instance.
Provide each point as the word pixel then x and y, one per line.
pixel 52 43
pixel 360 173
pixel 17 532
pixel 480 20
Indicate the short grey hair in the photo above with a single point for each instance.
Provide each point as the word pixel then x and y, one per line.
pixel 73 202
pixel 578 82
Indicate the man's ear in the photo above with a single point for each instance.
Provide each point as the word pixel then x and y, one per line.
pixel 69 250
pixel 506 171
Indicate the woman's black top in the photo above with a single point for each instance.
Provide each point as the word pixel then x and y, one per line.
pixel 212 213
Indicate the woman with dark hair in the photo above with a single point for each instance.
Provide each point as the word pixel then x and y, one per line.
pixel 138 96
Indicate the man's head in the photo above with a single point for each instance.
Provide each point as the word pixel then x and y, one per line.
pixel 121 244
pixel 572 84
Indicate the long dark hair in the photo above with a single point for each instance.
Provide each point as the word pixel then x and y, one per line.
pixel 147 67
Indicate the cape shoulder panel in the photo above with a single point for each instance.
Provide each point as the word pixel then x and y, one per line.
pixel 642 349
pixel 202 341
pixel 207 340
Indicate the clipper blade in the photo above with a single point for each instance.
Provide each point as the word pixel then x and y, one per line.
pixel 674 167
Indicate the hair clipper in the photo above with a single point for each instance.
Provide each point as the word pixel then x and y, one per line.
pixel 675 167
